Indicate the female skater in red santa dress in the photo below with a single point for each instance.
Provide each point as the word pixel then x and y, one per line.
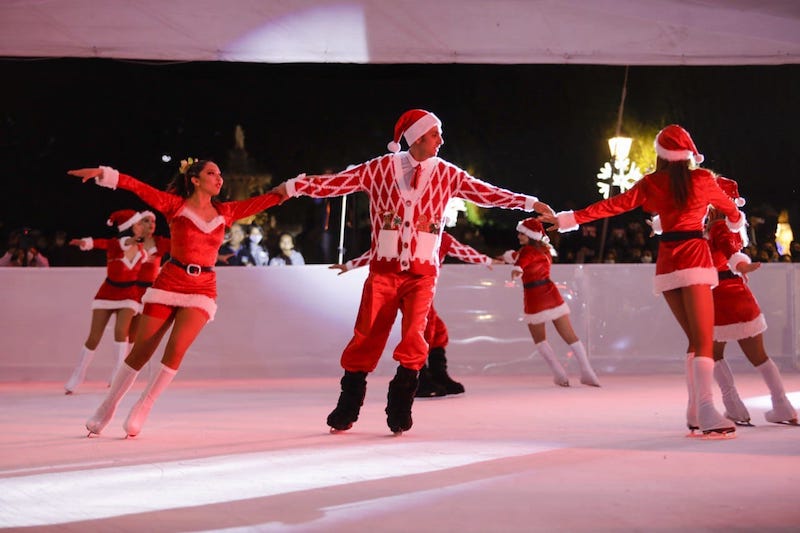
pixel 544 303
pixel 156 247
pixel 118 294
pixel 184 293
pixel 685 273
pixel 738 317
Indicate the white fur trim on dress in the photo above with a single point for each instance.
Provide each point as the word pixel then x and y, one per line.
pixel 87 243
pixel 109 178
pixel 117 304
pixel 684 278
pixel 737 258
pixel 740 330
pixel 566 221
pixel 548 314
pixel 178 299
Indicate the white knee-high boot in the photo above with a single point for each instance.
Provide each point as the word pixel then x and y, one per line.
pixel 711 421
pixel 691 406
pixel 559 375
pixel 588 377
pixel 162 378
pixel 120 385
pixel 734 407
pixel 79 374
pixel 782 410
pixel 123 349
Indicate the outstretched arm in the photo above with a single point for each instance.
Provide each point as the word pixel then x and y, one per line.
pixel 110 178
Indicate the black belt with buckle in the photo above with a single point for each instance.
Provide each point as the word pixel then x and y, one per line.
pixel 674 236
pixel 120 284
pixel 191 269
pixel 537 283
pixel 727 274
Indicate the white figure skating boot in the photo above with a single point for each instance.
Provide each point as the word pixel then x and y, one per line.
pixel 712 423
pixel 691 406
pixel 559 375
pixel 734 407
pixel 120 385
pixel 160 381
pixel 79 374
pixel 588 377
pixel 782 411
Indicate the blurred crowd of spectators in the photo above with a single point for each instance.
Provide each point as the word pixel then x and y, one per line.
pixel 626 241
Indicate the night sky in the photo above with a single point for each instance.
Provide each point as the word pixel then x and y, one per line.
pixel 537 129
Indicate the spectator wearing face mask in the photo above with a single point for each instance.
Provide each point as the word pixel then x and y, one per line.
pixel 256 243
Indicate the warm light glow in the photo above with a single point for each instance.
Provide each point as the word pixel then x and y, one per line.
pixel 619 147
pixel 783 234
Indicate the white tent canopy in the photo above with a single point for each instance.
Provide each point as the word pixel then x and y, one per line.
pixel 609 32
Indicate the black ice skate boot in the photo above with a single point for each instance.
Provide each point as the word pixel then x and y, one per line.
pixel 428 388
pixel 400 399
pixel 354 388
pixel 438 365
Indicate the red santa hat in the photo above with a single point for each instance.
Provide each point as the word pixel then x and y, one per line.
pixel 124 219
pixel 731 188
pixel 145 214
pixel 412 125
pixel 533 229
pixel 674 143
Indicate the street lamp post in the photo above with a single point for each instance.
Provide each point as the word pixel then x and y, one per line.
pixel 620 173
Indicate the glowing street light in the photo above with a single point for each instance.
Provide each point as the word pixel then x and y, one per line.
pixel 619 172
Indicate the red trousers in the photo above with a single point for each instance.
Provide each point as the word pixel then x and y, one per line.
pixel 383 296
pixel 436 331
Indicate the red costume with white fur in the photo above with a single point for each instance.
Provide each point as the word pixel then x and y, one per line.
pixel 683 262
pixel 736 311
pixel 119 290
pixel 406 234
pixel 194 241
pixel 543 302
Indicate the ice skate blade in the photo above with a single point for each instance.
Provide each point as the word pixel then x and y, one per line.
pixel 694 432
pixel 744 424
pixel 92 435
pixel 334 430
pixel 719 434
pixel 792 422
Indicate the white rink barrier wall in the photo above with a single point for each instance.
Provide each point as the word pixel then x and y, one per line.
pixel 295 321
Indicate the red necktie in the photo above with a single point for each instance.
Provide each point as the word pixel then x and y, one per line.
pixel 415 177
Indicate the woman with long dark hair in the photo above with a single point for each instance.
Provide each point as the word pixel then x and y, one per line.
pixel 680 194
pixel 183 295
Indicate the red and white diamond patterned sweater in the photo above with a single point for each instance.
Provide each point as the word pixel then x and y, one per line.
pixel 193 241
pixel 407 223
pixel 736 311
pixel 448 247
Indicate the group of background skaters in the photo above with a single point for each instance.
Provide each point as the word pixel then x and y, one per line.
pixel 410 193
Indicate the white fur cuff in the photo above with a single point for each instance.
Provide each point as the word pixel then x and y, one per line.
pixel 529 202
pixel 566 221
pixel 290 188
pixel 736 226
pixel 109 178
pixel 737 258
pixel 87 243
